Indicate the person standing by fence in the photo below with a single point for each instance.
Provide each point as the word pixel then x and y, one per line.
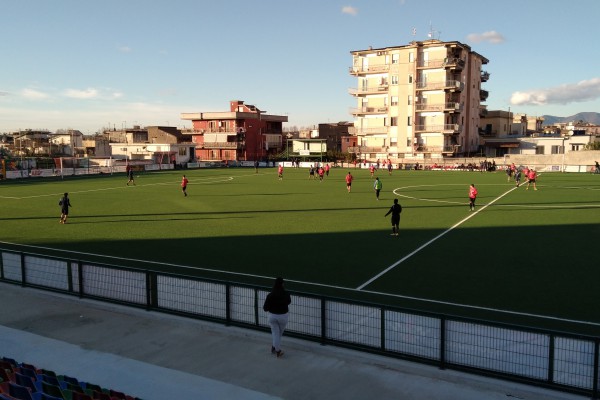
pixel 277 305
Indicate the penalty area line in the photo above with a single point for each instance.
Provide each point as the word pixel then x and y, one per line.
pixel 406 257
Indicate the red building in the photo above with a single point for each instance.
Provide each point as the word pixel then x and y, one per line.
pixel 242 133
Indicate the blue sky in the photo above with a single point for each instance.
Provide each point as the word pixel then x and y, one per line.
pixel 87 65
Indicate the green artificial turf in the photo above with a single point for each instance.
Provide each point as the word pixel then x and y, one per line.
pixel 522 251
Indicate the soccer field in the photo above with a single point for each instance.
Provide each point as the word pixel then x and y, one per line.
pixel 522 256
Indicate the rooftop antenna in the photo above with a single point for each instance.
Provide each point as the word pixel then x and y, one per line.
pixel 432 33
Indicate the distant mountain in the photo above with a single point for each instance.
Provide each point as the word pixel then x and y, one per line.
pixel 590 117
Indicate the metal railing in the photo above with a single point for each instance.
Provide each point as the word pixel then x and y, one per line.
pixel 448 84
pixel 445 128
pixel 557 360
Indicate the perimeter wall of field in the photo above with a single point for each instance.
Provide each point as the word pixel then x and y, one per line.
pixel 558 360
pixel 574 161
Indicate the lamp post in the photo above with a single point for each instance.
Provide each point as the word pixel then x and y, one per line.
pixel 563 155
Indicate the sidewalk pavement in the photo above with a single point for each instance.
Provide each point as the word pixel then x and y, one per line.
pixel 159 356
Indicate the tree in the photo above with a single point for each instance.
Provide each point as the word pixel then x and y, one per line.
pixel 593 146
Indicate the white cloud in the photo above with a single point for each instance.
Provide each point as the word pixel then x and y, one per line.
pixel 3 93
pixel 32 94
pixel 492 37
pixel 125 49
pixel 563 94
pixel 89 93
pixel 349 10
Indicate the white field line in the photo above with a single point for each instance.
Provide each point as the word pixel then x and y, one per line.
pixel 314 284
pixel 81 253
pixel 202 181
pixel 486 308
pixel 394 265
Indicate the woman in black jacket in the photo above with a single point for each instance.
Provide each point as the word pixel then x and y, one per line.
pixel 276 304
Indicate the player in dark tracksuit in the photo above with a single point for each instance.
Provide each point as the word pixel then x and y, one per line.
pixel 64 204
pixel 395 210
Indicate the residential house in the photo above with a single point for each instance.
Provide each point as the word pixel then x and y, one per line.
pixel 420 100
pixel 243 133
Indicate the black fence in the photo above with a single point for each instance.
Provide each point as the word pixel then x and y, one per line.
pixel 556 360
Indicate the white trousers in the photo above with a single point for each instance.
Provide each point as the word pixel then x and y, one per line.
pixel 278 323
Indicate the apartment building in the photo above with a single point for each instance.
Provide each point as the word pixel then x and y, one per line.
pixel 421 100
pixel 243 133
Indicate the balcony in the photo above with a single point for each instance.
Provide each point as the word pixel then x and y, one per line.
pixel 368 131
pixel 368 90
pixel 369 110
pixel 447 107
pixel 435 149
pixel 367 149
pixel 424 64
pixel 485 76
pixel 483 95
pixel 446 129
pixel 446 85
pixel 369 69
pixel 454 63
pixel 221 145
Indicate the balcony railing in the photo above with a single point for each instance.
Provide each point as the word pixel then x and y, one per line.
pixel 369 110
pixel 448 84
pixel 435 149
pixel 367 149
pixel 221 145
pixel 450 106
pixel 369 69
pixel 446 128
pixel 449 62
pixel 454 62
pixel 368 90
pixel 485 76
pixel 483 95
pixel 368 131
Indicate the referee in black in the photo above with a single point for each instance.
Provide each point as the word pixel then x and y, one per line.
pixel 395 210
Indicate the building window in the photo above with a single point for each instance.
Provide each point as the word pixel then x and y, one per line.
pixel 395 58
pixel 411 57
pixel 539 150
pixel 394 79
pixel 394 100
pixel 556 150
pixel 410 78
pixel 409 121
pixel 410 99
pixel 394 121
